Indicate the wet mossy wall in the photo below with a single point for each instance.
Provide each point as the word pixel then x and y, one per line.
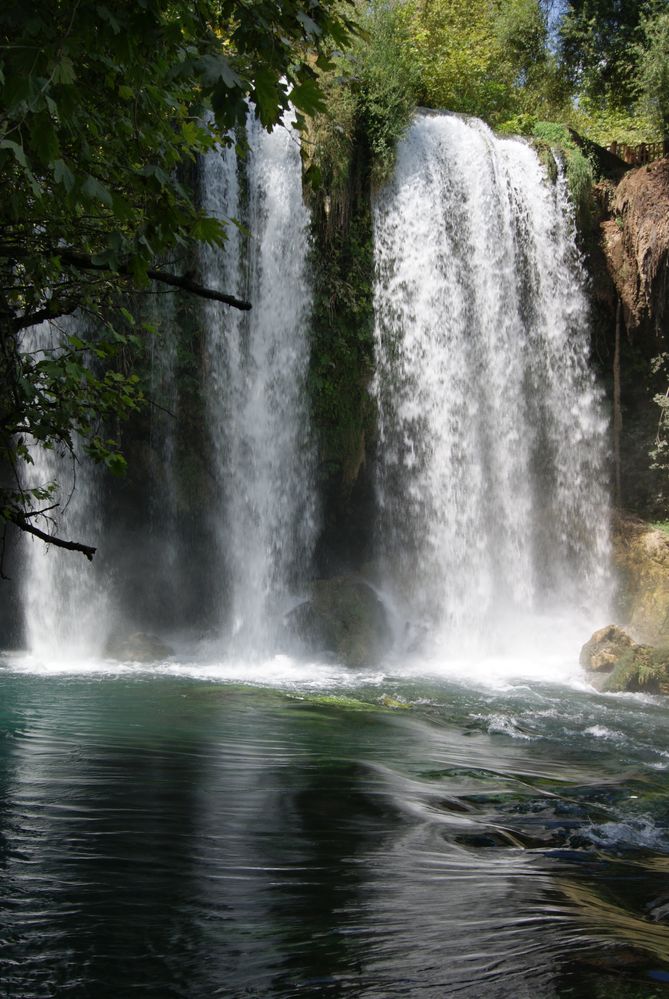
pixel 342 361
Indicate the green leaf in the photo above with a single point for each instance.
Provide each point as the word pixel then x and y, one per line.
pixel 18 151
pixel 309 25
pixel 44 138
pixel 107 16
pixel 93 189
pixel 63 175
pixel 313 176
pixel 64 72
pixel 208 230
pixel 267 95
pixel 128 316
pixel 138 268
pixel 213 68
pixel 307 98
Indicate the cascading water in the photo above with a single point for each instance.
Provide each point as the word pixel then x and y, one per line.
pixel 152 570
pixel 161 314
pixel 255 387
pixel 65 602
pixel 492 435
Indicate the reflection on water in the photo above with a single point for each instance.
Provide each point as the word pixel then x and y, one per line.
pixel 177 837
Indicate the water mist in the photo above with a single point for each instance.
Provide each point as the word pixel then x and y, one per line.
pixel 492 485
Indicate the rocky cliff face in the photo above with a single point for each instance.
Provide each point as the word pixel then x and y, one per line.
pixel 629 265
pixel 636 246
pixel 641 556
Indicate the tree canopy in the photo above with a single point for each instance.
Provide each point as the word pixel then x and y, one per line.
pixel 101 105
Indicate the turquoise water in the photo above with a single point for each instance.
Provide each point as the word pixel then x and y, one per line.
pixel 180 835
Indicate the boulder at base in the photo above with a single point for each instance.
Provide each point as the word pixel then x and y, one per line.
pixel 605 649
pixel 630 666
pixel 343 616
pixel 138 647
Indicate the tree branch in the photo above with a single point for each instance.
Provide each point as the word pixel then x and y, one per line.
pixel 198 289
pixel 74 546
pixel 54 311
pixel 184 282
pixel 86 263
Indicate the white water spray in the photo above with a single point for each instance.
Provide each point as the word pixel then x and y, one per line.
pixel 64 599
pixel 492 433
pixel 256 392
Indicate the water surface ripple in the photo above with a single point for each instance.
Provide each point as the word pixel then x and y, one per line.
pixel 400 837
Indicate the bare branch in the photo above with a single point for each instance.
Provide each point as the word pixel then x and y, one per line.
pixel 197 289
pixel 20 521
pixel 85 262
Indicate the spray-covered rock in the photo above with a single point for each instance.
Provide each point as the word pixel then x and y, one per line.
pixel 343 616
pixel 605 649
pixel 138 647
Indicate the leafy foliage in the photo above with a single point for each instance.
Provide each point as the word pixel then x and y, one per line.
pixel 371 93
pixel 597 39
pixel 642 668
pixel 488 59
pixel 653 69
pixel 100 105
pixel 613 53
pixel 578 168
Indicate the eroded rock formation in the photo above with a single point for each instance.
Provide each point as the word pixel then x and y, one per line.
pixel 636 246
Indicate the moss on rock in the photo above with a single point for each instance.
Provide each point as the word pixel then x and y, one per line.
pixel 605 649
pixel 343 616
pixel 641 554
pixel 641 669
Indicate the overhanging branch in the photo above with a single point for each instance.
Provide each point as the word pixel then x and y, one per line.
pixel 198 289
pixel 177 281
pixel 51 539
pixel 84 262
pixel 52 311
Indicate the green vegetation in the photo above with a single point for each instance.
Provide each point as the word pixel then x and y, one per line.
pixel 488 59
pixel 371 95
pixel 579 170
pixel 652 84
pixel 643 668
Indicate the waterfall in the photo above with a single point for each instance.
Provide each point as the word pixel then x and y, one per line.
pixel 152 570
pixel 491 469
pixel 256 383
pixel 64 598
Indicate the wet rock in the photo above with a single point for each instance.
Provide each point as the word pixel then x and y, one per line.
pixel 343 616
pixel 139 647
pixel 641 554
pixel 605 649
